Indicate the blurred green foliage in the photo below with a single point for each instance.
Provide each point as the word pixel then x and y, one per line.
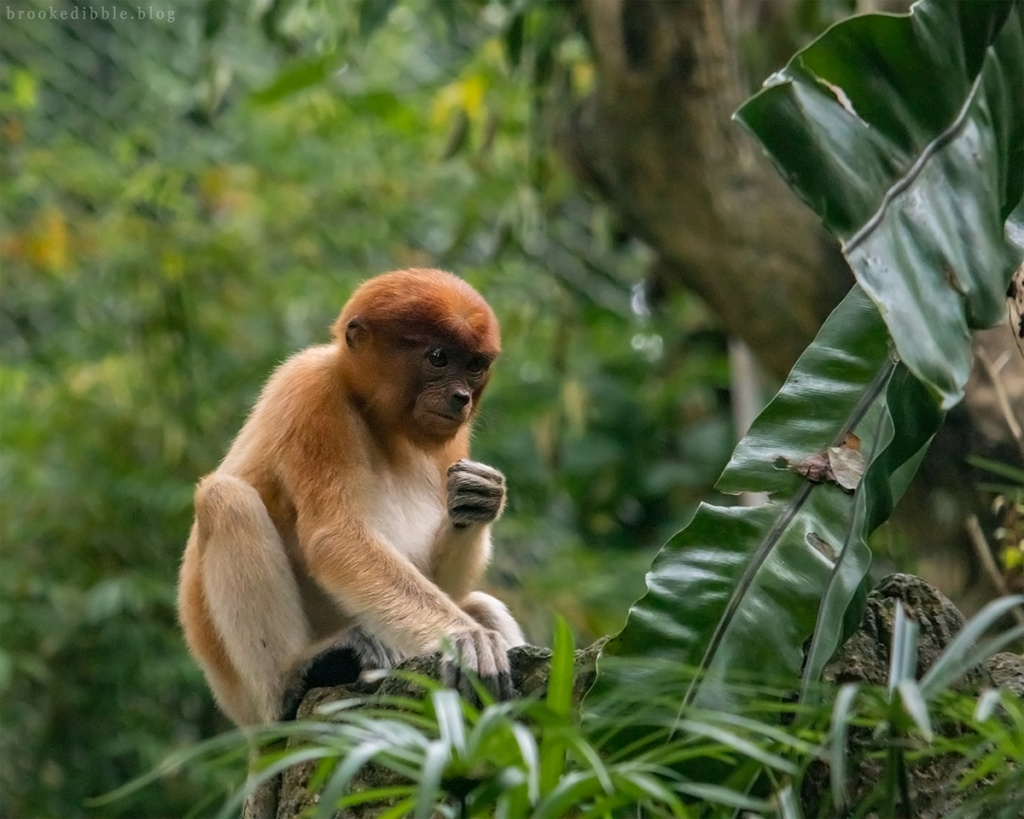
pixel 189 197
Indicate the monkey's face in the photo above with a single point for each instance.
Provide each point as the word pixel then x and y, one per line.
pixel 420 383
pixel 447 388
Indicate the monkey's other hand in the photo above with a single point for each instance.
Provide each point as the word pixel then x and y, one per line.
pixel 340 663
pixel 480 652
pixel 476 493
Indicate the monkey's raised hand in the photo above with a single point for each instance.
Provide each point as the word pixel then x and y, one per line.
pixel 476 493
pixel 483 652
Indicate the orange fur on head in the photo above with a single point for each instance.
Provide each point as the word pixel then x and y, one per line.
pixel 421 302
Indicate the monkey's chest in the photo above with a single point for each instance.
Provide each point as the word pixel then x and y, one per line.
pixel 406 513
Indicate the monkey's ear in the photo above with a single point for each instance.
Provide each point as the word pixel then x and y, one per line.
pixel 356 332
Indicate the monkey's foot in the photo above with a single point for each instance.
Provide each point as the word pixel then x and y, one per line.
pixel 342 663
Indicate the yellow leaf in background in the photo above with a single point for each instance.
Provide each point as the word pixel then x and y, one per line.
pixel 113 376
pixel 173 264
pixel 473 89
pixel 12 131
pixel 24 86
pixel 574 400
pixel 466 94
pixel 583 78
pixel 227 190
pixel 444 103
pixel 413 256
pixel 212 184
pixel 543 429
pixel 48 245
pixel 12 246
pixel 174 440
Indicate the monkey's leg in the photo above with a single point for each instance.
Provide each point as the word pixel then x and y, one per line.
pixel 250 592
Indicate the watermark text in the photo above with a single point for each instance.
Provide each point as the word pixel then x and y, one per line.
pixel 110 11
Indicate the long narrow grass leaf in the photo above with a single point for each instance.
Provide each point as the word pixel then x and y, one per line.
pixel 573 789
pixel 349 766
pixel 782 736
pixel 914 704
pixel 531 758
pixel 232 743
pixel 400 809
pixel 352 800
pixel 448 709
pixel 518 802
pixel 559 695
pixel 903 652
pixel 720 795
pixel 643 783
pixel 789 805
pixel 740 744
pixel 842 713
pixel 961 654
pixel 559 701
pixel 434 763
pixel 588 756
pixel 493 719
pixel 989 700
pixel 288 760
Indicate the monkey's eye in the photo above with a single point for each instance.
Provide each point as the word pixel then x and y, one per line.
pixel 476 365
pixel 437 358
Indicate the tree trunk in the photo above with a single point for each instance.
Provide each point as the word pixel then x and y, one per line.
pixel 657 140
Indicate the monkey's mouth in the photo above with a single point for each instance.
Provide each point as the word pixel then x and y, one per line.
pixel 451 419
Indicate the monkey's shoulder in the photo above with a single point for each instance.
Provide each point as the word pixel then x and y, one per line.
pixel 304 396
pixel 295 416
pixel 303 376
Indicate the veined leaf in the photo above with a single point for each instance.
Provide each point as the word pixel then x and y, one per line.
pixel 901 436
pixel 905 133
pixel 740 588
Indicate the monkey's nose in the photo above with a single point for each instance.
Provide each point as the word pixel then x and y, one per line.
pixel 459 399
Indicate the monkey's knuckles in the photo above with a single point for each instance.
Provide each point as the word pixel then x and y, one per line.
pixel 476 493
pixel 480 653
pixel 467 471
pixel 463 515
pixel 470 465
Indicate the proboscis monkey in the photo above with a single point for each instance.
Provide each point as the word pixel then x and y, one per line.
pixel 346 527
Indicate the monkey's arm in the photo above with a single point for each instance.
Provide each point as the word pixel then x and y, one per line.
pixel 394 602
pixel 476 497
pixel 462 548
pixel 381 588
pixel 462 544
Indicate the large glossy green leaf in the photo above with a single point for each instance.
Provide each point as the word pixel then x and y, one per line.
pixel 906 135
pixel 741 588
